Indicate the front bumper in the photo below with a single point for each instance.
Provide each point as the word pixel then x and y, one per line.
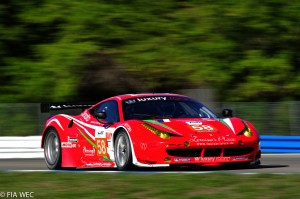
pixel 165 154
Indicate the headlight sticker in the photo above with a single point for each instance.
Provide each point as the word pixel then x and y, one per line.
pixel 161 134
pixel 246 131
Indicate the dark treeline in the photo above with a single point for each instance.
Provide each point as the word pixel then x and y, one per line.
pixel 73 50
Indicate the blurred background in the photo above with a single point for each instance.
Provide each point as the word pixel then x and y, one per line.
pixel 243 55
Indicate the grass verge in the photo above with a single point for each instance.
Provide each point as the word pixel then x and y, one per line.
pixel 147 185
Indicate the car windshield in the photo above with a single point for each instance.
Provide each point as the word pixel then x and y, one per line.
pixel 164 107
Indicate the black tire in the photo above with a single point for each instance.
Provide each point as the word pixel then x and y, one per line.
pixel 52 149
pixel 123 152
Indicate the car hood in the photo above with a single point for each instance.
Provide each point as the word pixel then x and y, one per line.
pixel 201 126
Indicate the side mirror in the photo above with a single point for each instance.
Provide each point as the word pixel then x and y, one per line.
pixel 227 113
pixel 100 115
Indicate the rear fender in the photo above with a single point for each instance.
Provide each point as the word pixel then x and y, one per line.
pixel 68 149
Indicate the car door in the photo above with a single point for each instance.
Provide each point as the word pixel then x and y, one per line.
pixel 103 133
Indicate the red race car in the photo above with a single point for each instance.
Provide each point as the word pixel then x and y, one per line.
pixel 147 130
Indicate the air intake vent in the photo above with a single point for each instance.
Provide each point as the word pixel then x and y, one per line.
pixel 237 151
pixel 213 152
pixel 184 152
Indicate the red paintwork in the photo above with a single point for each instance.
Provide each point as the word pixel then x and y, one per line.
pixel 148 148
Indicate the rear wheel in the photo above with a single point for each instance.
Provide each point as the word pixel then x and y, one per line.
pixel 52 149
pixel 123 153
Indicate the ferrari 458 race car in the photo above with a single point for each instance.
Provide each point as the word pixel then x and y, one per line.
pixel 147 130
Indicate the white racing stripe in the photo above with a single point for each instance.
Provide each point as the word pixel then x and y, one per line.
pixel 56 121
pixel 228 122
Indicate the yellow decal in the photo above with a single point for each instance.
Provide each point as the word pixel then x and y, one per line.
pixel 101 147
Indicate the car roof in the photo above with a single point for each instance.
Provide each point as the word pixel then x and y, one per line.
pixel 130 96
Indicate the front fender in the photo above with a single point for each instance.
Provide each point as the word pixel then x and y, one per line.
pixel 143 142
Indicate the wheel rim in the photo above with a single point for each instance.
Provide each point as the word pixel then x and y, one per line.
pixel 52 148
pixel 122 151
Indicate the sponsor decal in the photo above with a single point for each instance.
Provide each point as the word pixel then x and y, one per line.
pixel 100 164
pixel 151 99
pixel 102 132
pixel 108 136
pixel 241 158
pixel 99 133
pixel 68 145
pixel 194 123
pixel 179 98
pixel 88 152
pixel 144 99
pixel 226 139
pixel 182 159
pixel 72 139
pixel 131 101
pixel 128 127
pixel 143 146
pixel 86 116
pixel 212 159
pixel 216 141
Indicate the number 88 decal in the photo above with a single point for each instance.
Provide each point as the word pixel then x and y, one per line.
pixel 101 146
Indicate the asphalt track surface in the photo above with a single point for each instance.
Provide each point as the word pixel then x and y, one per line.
pixel 270 163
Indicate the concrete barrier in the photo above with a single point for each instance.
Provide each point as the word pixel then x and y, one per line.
pixel 21 147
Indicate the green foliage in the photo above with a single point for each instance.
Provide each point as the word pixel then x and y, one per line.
pixel 246 50
pixel 18 119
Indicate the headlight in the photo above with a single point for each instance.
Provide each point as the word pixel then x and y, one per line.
pixel 246 131
pixel 161 134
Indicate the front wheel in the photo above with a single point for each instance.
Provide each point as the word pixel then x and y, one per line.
pixel 52 149
pixel 123 154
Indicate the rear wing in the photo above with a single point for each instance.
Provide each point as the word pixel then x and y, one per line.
pixel 47 107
